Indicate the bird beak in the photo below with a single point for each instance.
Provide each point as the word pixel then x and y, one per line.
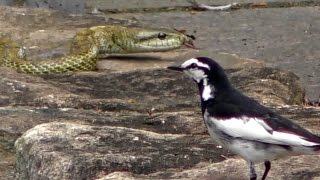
pixel 176 68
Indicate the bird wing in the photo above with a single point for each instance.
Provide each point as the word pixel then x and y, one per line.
pixel 252 121
pixel 256 129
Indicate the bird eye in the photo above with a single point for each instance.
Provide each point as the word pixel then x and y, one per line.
pixel 162 36
pixel 193 65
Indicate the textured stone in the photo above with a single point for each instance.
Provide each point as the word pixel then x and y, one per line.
pixel 79 108
pixel 106 119
pixel 75 151
pixel 233 169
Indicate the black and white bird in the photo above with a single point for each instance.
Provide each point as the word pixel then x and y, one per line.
pixel 242 125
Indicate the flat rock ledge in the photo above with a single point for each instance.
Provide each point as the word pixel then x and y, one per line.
pixel 146 124
pixel 76 151
pixel 143 124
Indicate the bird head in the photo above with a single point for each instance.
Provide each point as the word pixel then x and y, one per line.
pixel 196 68
pixel 203 68
pixel 207 73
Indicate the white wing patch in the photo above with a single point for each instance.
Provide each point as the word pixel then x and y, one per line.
pixel 257 129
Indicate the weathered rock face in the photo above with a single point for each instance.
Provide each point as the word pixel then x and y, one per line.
pixel 145 123
pixel 75 151
pixel 170 89
pixel 234 169
pixel 125 124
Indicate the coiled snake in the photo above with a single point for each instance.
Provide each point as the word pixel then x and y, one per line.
pixel 89 43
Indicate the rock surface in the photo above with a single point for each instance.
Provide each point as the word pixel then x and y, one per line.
pixel 265 34
pixel 139 124
pixel 136 120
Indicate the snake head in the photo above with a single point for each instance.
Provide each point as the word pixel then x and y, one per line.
pixel 139 40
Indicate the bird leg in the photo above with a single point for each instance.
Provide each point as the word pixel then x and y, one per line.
pixel 267 164
pixel 253 174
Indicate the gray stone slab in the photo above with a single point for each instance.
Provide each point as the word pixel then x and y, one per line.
pixel 124 4
pixel 6 2
pixel 286 38
pixel 70 6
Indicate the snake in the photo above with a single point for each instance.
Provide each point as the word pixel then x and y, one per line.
pixel 88 44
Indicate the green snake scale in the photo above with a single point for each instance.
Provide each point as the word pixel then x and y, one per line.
pixel 89 43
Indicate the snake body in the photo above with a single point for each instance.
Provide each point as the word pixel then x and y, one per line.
pixel 89 43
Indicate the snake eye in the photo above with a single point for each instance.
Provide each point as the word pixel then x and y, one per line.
pixel 162 36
